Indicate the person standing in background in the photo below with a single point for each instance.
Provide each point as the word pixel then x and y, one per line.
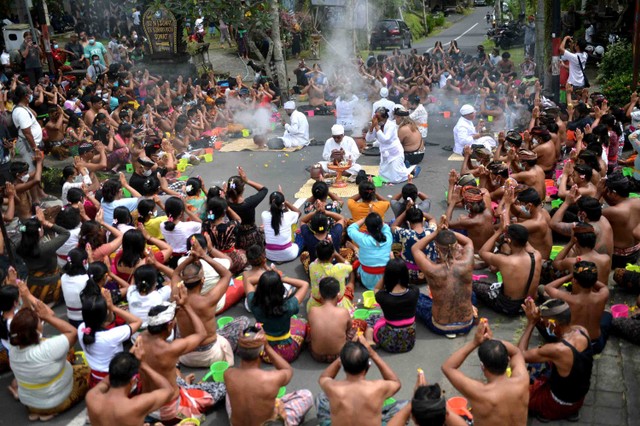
pixel 31 53
pixel 529 36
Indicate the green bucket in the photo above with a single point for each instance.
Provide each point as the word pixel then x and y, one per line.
pixel 362 314
pixel 281 392
pixel 222 321
pixel 388 401
pixel 217 370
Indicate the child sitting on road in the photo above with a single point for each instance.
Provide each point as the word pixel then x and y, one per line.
pixel 329 325
pixel 323 267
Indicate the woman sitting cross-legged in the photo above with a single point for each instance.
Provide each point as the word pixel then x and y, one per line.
pixel 275 309
pixel 394 330
pixel 375 248
pixel 47 383
pixel 277 222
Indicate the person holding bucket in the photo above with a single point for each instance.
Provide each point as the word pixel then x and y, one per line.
pixel 504 398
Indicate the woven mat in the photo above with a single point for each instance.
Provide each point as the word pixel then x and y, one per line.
pixel 246 144
pixel 348 191
pixel 455 157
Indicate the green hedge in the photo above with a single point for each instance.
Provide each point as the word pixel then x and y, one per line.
pixel 617 60
pixel 618 89
pixel 416 25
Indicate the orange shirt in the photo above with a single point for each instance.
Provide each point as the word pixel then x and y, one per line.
pixel 360 209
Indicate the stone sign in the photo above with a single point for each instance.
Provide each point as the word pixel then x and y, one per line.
pixel 161 29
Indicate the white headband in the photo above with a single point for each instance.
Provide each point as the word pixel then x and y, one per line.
pixel 163 317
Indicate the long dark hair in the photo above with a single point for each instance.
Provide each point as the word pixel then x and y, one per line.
pixel 133 245
pixel 374 225
pixel 235 188
pixel 320 190
pixel 91 233
pixel 94 313
pixel 145 277
pixel 145 207
pixel 367 191
pixel 270 294
pixel 196 186
pixel 174 207
pixel 28 246
pixel 75 265
pixel 122 215
pixel 396 272
pixel 276 201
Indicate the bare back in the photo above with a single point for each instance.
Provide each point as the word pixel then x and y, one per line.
pixel 205 310
pixel 504 402
pixel 108 409
pixel 356 402
pixel 328 328
pixel 451 292
pixel 411 139
pixel 515 270
pixel 252 405
pixel 586 311
pixel 160 357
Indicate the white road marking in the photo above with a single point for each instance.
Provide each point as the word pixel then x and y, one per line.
pixel 80 419
pixel 457 38
pixel 299 202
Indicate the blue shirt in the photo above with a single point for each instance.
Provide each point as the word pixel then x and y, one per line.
pixel 108 208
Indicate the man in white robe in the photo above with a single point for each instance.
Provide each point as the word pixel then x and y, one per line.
pixel 340 146
pixel 296 132
pixel 384 133
pixel 465 132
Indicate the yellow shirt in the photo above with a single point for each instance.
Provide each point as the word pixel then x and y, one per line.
pixel 319 270
pixel 153 226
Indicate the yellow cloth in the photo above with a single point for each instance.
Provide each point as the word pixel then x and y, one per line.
pixel 153 226
pixel 319 270
pixel 246 144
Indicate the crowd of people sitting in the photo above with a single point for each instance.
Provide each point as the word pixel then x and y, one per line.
pixel 147 263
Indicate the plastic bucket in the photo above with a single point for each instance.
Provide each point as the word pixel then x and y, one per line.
pixel 620 311
pixel 555 204
pixel 490 118
pixel 208 158
pixel 552 190
pixel 447 114
pixel 369 298
pixel 281 392
pixel 245 133
pixel 554 252
pixel 549 182
pixel 311 113
pixel 217 370
pixel 361 314
pixel 222 321
pixel 459 405
pixel 129 168
pixel 218 145
pixel 388 401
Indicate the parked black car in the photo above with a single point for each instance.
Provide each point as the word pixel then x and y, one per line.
pixel 390 32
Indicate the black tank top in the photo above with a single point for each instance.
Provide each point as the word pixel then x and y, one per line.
pixel 576 385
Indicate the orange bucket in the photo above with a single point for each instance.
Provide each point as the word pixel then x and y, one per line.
pixel 218 145
pixel 459 405
pixel 549 182
pixel 447 114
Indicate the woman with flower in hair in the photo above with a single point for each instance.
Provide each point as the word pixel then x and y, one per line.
pixel 99 343
pixel 175 230
pixel 277 223
pixel 73 282
pixel 375 246
pixel 40 256
pixel 221 226
pixel 248 233
pixel 195 199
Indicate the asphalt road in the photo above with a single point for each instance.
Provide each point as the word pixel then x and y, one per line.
pixel 273 169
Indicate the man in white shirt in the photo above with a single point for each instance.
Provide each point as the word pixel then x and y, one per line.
pixel 384 102
pixel 577 61
pixel 346 104
pixel 340 147
pixel 419 115
pixel 29 130
pixel 296 133
pixel 465 133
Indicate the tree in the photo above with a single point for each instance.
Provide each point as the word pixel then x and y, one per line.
pixel 260 18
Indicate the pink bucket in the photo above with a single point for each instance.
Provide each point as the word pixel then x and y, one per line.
pixel 311 113
pixel 620 311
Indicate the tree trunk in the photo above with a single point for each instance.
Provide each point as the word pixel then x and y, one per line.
pixel 540 41
pixel 278 54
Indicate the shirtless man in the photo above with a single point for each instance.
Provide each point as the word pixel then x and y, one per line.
pixel 539 140
pixel 448 310
pixel 589 211
pixel 329 324
pixel 527 171
pixel 97 107
pixel 110 403
pixel 581 247
pixel 560 395
pixel 623 214
pixel 356 400
pixel 479 221
pixel 587 299
pixel 520 270
pixel 578 175
pixel 218 345
pixel 531 214
pixel 420 89
pixel 162 357
pixel 493 177
pixel 482 154
pixel 503 400
pixel 56 127
pixel 256 404
pixel 409 136
pixel 93 157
